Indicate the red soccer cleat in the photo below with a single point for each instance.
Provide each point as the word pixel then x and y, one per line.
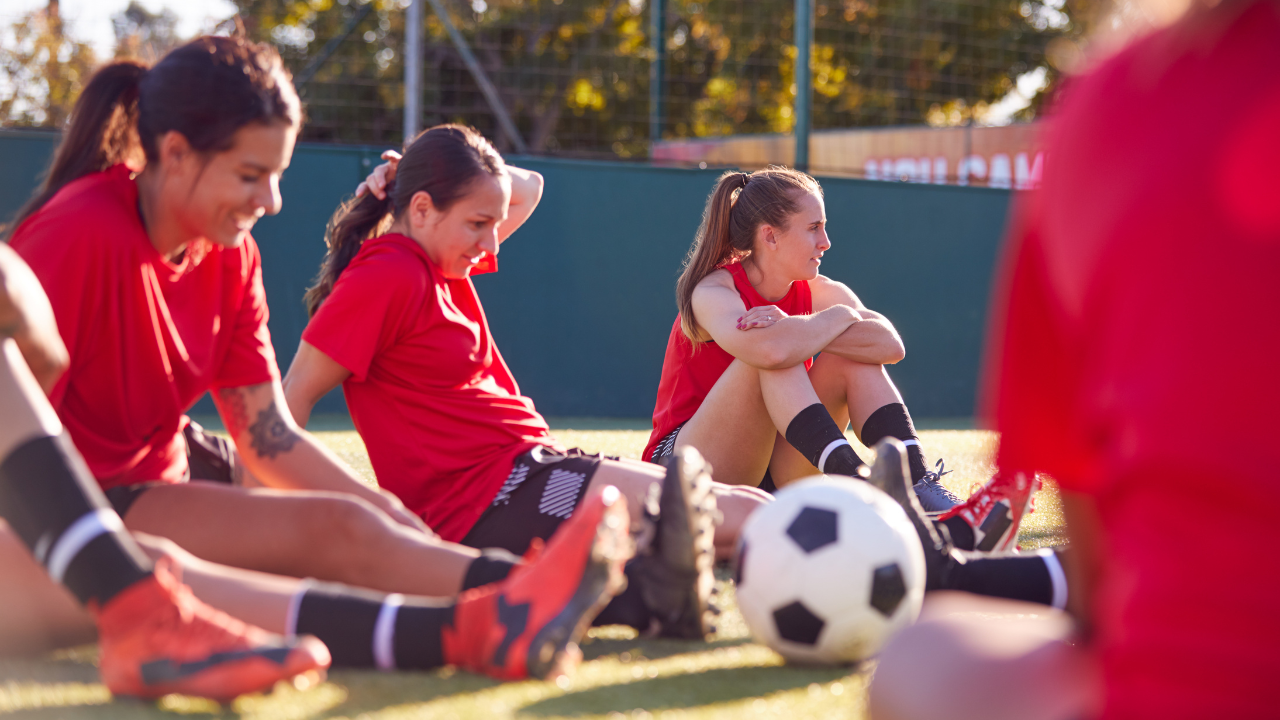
pixel 996 510
pixel 528 625
pixel 157 638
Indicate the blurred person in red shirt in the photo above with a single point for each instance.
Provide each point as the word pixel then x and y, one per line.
pixel 1132 358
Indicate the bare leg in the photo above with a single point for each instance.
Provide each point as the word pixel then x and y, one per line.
pixel 984 659
pixel 328 536
pixel 850 391
pixel 633 478
pixel 39 614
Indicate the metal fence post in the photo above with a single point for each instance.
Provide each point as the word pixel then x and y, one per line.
pixel 657 68
pixel 803 81
pixel 412 69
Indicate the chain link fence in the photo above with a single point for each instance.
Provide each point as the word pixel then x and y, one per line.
pixel 574 75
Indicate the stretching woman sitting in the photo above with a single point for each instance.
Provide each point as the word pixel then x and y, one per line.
pixel 396 321
pixel 156 289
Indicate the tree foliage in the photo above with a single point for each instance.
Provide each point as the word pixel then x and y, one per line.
pixel 44 70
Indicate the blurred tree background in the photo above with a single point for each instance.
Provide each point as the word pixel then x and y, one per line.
pixel 574 74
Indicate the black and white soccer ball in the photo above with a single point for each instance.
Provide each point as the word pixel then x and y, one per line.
pixel 829 571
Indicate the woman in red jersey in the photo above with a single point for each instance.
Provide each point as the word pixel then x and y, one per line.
pixel 140 237
pixel 397 322
pixel 740 381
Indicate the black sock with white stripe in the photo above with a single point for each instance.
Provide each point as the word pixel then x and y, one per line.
pixel 894 421
pixel 822 442
pixel 366 629
pixel 52 502
pixel 1032 577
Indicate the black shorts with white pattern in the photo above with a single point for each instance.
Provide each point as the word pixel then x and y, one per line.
pixel 542 491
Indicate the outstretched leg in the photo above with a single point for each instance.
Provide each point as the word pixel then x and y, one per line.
pixel 146 619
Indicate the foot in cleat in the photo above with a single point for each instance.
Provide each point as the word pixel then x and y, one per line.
pixel 675 569
pixel 528 625
pixel 891 474
pixel 996 510
pixel 934 496
pixel 156 638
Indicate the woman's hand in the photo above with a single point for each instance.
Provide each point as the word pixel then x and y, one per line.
pixel 377 181
pixel 761 316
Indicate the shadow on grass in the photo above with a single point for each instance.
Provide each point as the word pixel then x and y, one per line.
pixel 683 691
pixel 643 648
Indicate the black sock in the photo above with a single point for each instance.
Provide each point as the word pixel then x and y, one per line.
pixel 366 629
pixel 494 564
pixel 894 421
pixel 816 436
pixel 1032 577
pixel 46 490
pixel 627 607
pixel 961 533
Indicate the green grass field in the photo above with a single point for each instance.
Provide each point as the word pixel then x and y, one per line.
pixel 623 676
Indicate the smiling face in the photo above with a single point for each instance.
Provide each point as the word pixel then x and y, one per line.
pixel 226 192
pixel 458 238
pixel 800 245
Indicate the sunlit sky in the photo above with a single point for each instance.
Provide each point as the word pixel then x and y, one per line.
pixel 90 20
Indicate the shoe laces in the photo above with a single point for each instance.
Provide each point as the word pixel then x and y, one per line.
pixel 934 477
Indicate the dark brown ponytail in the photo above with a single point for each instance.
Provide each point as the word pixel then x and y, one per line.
pixel 206 90
pixel 102 132
pixel 739 204
pixel 443 161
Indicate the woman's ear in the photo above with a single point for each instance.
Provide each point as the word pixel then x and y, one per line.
pixel 174 150
pixel 420 209
pixel 767 236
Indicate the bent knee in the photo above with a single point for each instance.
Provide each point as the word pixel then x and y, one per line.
pixel 343 527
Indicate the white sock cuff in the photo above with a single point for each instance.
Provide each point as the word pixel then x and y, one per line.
pixel 75 538
pixel 826 452
pixel 295 604
pixel 384 633
pixel 910 442
pixel 1057 575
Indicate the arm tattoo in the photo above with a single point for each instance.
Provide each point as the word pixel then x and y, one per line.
pixel 271 436
pixel 235 413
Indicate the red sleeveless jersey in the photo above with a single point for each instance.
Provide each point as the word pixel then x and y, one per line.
pixel 688 375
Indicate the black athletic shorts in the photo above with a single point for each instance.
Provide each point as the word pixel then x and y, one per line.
pixel 542 491
pixel 209 458
pixel 666 447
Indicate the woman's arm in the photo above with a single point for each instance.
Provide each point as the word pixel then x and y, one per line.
pixel 764 337
pixel 526 191
pixel 311 376
pixel 27 317
pixel 872 339
pixel 284 456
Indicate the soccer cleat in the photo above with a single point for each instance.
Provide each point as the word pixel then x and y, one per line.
pixel 675 569
pixel 934 496
pixel 891 474
pixel 156 638
pixel 996 510
pixel 528 625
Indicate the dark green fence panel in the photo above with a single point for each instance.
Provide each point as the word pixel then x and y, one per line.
pixel 585 298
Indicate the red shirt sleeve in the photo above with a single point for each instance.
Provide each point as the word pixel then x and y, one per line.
pixel 1034 360
pixel 69 262
pixel 251 359
pixel 369 308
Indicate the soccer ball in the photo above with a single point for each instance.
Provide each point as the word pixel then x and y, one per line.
pixel 828 571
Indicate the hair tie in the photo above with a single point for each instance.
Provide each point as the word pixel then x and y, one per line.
pixel 746 178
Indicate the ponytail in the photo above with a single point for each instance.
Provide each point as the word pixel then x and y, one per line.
pixel 102 132
pixel 740 203
pixel 444 161
pixel 355 221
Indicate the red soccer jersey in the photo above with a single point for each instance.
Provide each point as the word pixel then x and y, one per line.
pixel 439 411
pixel 689 374
pixel 147 337
pixel 1134 357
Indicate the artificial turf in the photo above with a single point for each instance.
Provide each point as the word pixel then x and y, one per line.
pixel 622 676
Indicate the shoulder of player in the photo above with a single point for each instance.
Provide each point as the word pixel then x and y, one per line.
pixel 90 214
pixel 718 279
pixel 390 262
